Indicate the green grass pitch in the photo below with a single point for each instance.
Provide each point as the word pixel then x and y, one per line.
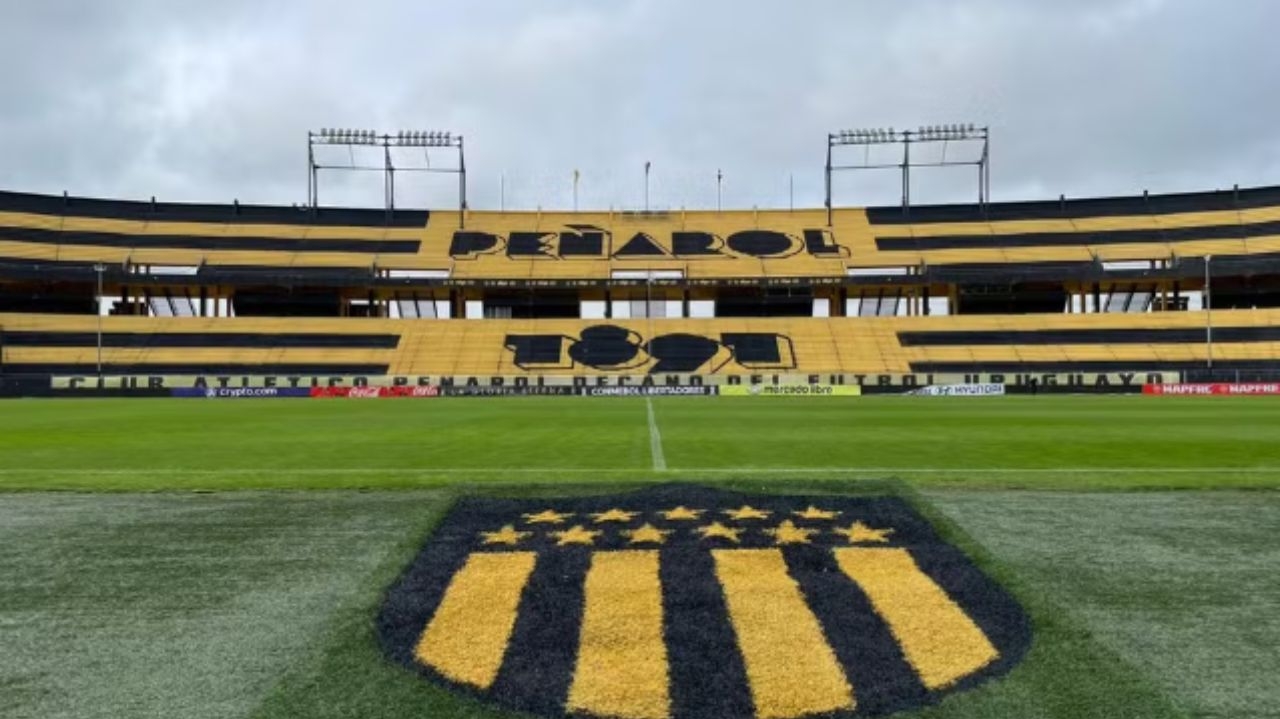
pixel 189 566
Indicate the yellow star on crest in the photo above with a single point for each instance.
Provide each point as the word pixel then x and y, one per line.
pixel 506 535
pixel 613 515
pixel 681 512
pixel 577 534
pixel 789 533
pixel 746 511
pixel 814 513
pixel 647 533
pixel 716 529
pixel 547 516
pixel 859 532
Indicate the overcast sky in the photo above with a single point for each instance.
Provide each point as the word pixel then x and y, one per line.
pixel 210 101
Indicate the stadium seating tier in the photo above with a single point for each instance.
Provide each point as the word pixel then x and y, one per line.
pixel 68 344
pixel 593 245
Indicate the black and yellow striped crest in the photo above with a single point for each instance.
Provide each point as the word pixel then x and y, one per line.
pixel 684 602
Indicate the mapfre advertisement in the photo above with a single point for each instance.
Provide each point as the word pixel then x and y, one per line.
pixel 1212 388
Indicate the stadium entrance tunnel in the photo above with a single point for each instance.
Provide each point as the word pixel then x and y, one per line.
pixel 682 602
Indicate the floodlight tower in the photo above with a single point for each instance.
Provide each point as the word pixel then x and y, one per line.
pixel 352 138
pixel 944 134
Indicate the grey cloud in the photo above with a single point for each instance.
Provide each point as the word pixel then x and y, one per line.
pixel 210 101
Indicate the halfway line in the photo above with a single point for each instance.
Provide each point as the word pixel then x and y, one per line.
pixel 655 439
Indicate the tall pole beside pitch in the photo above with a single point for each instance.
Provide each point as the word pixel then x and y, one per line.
pixel 99 268
pixel 646 185
pixel 1208 312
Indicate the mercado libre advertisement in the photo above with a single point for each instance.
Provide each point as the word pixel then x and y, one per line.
pixel 791 390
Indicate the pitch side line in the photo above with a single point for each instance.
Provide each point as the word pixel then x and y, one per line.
pixel 655 439
pixel 640 470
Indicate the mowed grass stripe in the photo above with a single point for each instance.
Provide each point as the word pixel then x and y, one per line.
pixel 179 471
pixel 1010 441
pixel 293 434
pixel 1181 585
pixel 1083 432
pixel 188 480
pixel 133 605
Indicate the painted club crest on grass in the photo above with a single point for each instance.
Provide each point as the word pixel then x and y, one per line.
pixel 683 602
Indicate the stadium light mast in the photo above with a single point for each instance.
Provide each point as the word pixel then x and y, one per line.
pixel 99 268
pixel 390 144
pixel 1208 314
pixel 647 164
pixel 943 134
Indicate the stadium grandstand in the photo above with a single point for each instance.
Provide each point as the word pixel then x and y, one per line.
pixel 1184 283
